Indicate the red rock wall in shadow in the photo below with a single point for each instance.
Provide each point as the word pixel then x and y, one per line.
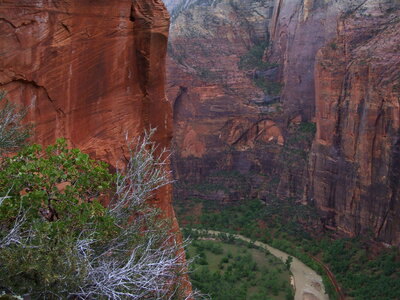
pixel 223 124
pixel 339 64
pixel 89 71
pixel 298 29
pixel 355 158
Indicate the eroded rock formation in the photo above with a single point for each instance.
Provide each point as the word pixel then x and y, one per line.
pixel 338 65
pixel 354 175
pixel 222 119
pixel 90 71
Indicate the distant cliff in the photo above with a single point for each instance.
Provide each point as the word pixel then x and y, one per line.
pixel 340 68
pixel 354 163
pixel 221 115
pixel 296 99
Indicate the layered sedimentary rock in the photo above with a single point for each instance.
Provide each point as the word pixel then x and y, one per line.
pixel 223 120
pixel 354 176
pixel 338 65
pixel 92 72
pixel 88 71
pixel 233 140
pixel 299 28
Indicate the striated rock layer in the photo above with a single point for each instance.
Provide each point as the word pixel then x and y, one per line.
pixel 90 71
pixel 340 68
pixel 299 28
pixel 221 122
pixel 338 65
pixel 354 163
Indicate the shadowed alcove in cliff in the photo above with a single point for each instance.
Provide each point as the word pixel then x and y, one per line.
pixel 267 98
pixel 292 104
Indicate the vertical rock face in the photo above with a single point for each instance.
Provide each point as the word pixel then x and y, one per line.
pixel 223 121
pixel 298 30
pixel 355 157
pixel 340 67
pixel 338 62
pixel 90 71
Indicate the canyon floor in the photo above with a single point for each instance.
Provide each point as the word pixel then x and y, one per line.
pixel 308 284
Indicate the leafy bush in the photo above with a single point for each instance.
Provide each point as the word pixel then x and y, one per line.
pixel 57 240
pixel 50 200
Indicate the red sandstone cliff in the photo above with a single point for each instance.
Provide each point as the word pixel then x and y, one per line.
pixel 354 176
pixel 220 119
pixel 89 71
pixel 340 68
pixel 299 28
pixel 338 62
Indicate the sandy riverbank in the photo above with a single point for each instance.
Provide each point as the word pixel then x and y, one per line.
pixel 308 284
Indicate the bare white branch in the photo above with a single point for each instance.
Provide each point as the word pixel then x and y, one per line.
pixel 12 132
pixel 155 265
pixel 142 261
pixel 14 235
pixel 149 270
pixel 144 173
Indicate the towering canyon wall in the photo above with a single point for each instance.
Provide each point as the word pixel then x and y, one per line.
pixel 232 138
pixel 340 68
pixel 354 177
pixel 298 30
pixel 338 65
pixel 222 120
pixel 88 71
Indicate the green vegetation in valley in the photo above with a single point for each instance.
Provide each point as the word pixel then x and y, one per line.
pixel 253 59
pixel 228 271
pixel 362 274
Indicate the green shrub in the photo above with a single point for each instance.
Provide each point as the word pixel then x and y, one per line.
pixel 58 241
pixel 54 197
pixel 253 59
